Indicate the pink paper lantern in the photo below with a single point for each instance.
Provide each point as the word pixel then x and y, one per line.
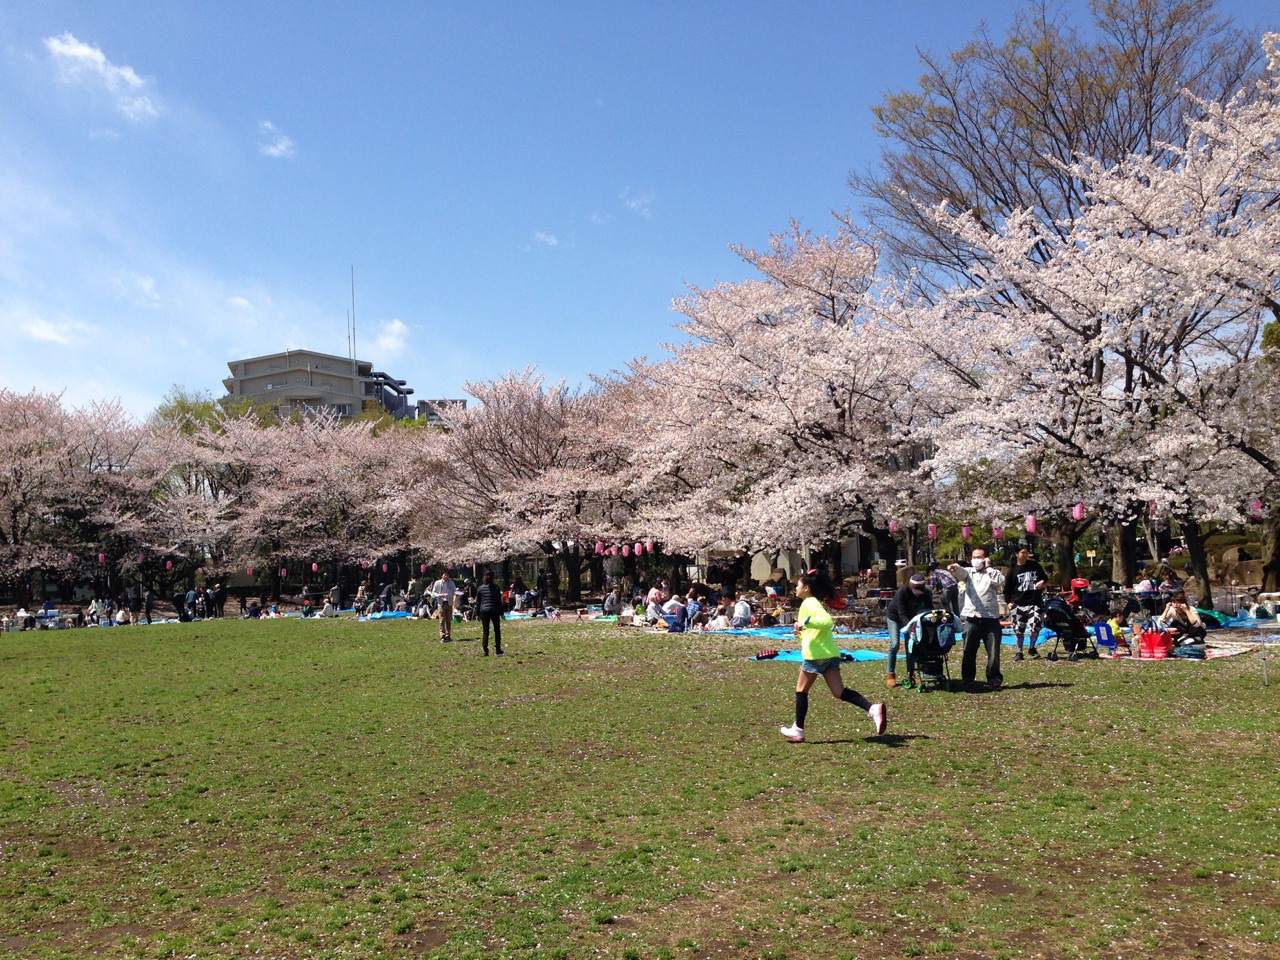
pixel 284 571
pixel 1151 509
pixel 422 568
pixel 139 558
pixel 168 564
pixel 893 526
pixel 384 568
pixel 200 571
pixel 102 558
pixel 933 531
pixel 599 547
pixel 965 530
pixel 626 549
pixel 248 571
pixel 1031 523
pixel 613 551
pixel 364 564
pixel 1077 512
pixel 638 548
pixel 648 545
pixel 997 531
pixel 1255 509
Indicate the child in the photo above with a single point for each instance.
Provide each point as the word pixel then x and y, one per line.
pixel 822 657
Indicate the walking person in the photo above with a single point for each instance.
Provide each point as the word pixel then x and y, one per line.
pixel 443 590
pixel 821 657
pixel 913 597
pixel 1024 594
pixel 490 609
pixel 980 608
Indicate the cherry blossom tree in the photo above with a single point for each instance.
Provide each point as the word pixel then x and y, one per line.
pixel 1135 321
pixel 785 420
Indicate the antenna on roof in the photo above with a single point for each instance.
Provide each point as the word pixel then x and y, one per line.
pixel 353 311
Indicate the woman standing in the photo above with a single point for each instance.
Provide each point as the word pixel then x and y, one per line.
pixel 489 608
pixel 822 657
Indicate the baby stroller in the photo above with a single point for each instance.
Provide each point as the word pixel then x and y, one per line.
pixel 1067 628
pixel 929 638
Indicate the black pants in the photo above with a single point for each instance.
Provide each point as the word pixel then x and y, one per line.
pixel 487 617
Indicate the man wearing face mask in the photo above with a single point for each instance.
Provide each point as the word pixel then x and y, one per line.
pixel 913 597
pixel 980 584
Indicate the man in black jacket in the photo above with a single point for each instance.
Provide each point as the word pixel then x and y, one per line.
pixel 913 598
pixel 1024 594
pixel 491 610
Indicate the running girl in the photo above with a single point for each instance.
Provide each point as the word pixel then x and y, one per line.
pixel 822 657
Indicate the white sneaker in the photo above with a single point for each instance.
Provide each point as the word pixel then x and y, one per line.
pixel 879 716
pixel 793 733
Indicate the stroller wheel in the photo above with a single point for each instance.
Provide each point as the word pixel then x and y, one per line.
pixel 1074 657
pixel 1052 656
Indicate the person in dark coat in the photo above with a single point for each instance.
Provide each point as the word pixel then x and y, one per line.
pixel 490 609
pixel 913 597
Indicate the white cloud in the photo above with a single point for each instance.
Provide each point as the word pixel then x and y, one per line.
pixel 392 337
pixel 275 144
pixel 137 289
pixel 85 64
pixel 546 239
pixel 641 203
pixel 62 331
pixel 240 303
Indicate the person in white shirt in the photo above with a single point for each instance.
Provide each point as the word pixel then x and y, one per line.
pixel 741 613
pixel 980 585
pixel 444 590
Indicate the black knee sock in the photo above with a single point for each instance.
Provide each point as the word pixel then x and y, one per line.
pixel 802 708
pixel 854 697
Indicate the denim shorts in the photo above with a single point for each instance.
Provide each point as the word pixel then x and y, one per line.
pixel 819 666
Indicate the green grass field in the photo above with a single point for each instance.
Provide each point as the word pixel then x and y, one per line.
pixel 303 789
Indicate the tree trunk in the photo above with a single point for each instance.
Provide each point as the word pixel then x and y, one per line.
pixel 1271 551
pixel 553 575
pixel 678 563
pixel 1064 555
pixel 1123 540
pixel 572 559
pixel 887 548
pixel 1198 560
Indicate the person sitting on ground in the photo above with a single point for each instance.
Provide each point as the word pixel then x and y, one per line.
pixel 327 610
pixel 24 619
pixel 253 611
pixel 652 610
pixel 678 614
pixel 695 609
pixel 611 603
pixel 122 616
pixel 307 609
pixel 741 617
pixel 1119 624
pixel 1182 621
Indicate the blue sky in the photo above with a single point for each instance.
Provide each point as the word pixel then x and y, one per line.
pixel 514 184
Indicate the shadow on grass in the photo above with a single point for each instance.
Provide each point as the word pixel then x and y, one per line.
pixel 893 740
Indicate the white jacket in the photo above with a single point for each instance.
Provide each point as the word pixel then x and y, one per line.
pixel 979 591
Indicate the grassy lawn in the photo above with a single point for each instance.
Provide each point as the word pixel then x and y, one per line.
pixel 302 789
